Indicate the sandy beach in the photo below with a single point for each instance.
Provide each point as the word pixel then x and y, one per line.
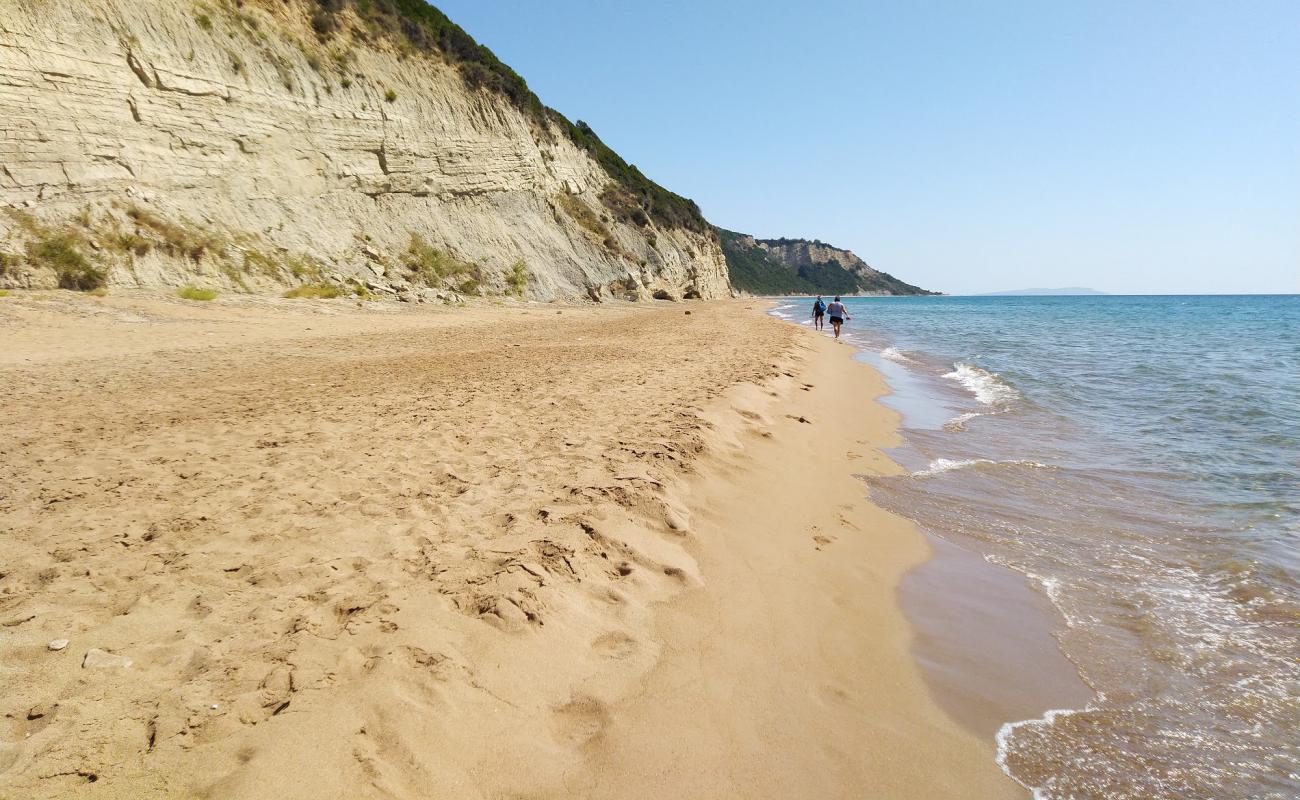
pixel 317 549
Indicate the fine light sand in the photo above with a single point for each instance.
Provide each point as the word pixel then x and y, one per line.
pixel 321 551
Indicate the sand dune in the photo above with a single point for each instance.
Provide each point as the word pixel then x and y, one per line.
pixel 498 552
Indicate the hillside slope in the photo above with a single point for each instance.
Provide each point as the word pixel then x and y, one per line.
pixel 366 147
pixel 800 266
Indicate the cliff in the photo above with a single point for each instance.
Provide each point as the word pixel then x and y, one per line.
pixel 800 266
pixel 369 148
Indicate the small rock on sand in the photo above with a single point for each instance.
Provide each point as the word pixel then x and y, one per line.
pixel 102 659
pixel 58 644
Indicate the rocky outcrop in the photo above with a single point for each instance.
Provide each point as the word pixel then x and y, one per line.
pixel 232 145
pixel 801 266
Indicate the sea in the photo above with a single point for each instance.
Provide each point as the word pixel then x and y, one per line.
pixel 1137 461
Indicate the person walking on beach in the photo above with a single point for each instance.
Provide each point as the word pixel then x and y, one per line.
pixel 819 314
pixel 837 314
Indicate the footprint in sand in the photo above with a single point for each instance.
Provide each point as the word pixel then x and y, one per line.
pixel 581 720
pixel 820 540
pixel 614 644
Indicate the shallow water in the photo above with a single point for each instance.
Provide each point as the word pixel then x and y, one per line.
pixel 1137 458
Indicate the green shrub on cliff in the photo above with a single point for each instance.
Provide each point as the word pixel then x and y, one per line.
pixel 432 266
pixel 654 200
pixel 196 293
pixel 426 29
pixel 517 278
pixel 61 252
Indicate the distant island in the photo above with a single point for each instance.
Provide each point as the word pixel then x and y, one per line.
pixel 1068 290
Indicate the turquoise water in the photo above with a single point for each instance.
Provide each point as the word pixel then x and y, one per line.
pixel 1136 458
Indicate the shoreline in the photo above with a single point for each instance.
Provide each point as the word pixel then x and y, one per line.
pixel 974 622
pixel 383 546
pixel 839 692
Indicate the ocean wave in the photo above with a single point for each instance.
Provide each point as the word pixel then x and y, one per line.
pixel 1003 739
pixel 896 355
pixel 987 387
pixel 941 465
pixel 958 423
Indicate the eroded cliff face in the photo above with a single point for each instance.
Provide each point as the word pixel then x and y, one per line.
pixel 173 142
pixel 801 252
pixel 801 266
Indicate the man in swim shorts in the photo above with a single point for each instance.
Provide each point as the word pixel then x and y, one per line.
pixel 837 314
pixel 819 314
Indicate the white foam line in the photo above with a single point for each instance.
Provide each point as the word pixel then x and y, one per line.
pixel 1004 734
pixel 896 355
pixel 941 465
pixel 958 423
pixel 987 387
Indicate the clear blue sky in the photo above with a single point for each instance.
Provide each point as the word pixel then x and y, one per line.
pixel 1139 146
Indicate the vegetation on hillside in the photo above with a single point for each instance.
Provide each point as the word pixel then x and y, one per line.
pixel 425 29
pixel 430 266
pixel 753 269
pixel 192 292
pixel 639 196
pixel 63 252
pixel 428 30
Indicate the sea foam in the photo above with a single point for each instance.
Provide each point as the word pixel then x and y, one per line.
pixel 958 423
pixel 1003 739
pixel 941 465
pixel 987 387
pixel 896 355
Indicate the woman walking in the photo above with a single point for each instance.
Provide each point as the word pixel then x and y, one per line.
pixel 838 313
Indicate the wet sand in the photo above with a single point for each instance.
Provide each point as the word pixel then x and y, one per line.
pixel 984 640
pixel 306 549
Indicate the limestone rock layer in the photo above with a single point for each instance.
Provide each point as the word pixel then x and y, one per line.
pixel 227 144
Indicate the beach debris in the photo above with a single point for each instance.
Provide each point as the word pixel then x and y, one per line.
pixel 58 644
pixel 41 710
pixel 102 659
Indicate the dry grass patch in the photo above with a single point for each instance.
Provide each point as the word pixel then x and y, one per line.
pixel 431 266
pixel 315 291
pixel 196 293
pixel 176 239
